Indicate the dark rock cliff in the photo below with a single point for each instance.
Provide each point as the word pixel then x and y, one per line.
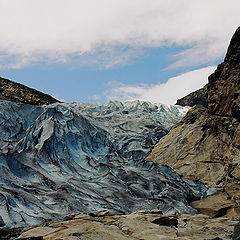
pixel 198 97
pixel 205 146
pixel 224 83
pixel 17 92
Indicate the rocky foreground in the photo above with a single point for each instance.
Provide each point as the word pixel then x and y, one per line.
pixel 143 225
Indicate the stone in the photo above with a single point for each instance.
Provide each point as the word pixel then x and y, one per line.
pixel 210 205
pixel 200 147
pixel 10 234
pixel 144 225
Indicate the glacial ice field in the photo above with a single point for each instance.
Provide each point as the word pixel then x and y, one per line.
pixel 79 157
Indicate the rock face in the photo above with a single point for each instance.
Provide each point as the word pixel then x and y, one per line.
pixel 205 145
pixel 64 158
pixel 16 92
pixel 144 225
pixel 224 83
pixel 198 97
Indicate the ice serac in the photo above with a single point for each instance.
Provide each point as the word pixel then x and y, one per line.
pixel 78 157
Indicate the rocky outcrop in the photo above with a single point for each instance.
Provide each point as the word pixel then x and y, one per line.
pixel 205 145
pixel 198 97
pixel 144 225
pixel 224 83
pixel 17 92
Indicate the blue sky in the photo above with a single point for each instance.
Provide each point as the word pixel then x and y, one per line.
pixel 117 49
pixel 82 83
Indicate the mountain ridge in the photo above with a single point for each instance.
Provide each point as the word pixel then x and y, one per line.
pixel 16 92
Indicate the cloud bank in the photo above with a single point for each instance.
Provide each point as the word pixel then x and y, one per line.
pixel 167 93
pixel 96 32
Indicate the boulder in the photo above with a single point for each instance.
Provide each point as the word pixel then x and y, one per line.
pixel 144 225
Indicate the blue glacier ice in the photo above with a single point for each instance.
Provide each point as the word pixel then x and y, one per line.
pixel 80 157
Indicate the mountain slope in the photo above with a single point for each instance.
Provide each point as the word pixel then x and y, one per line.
pixel 205 144
pixel 17 92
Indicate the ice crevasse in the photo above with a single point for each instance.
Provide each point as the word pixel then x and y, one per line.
pixel 80 157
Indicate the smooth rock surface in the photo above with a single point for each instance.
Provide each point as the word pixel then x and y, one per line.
pixel 216 205
pixel 144 225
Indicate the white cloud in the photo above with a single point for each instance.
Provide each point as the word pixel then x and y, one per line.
pixel 167 93
pixel 94 98
pixel 78 30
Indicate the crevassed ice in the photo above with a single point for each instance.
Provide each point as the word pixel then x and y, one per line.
pixel 82 157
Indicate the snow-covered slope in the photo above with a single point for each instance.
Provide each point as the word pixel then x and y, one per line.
pixel 64 158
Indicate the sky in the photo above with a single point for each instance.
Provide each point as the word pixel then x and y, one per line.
pixel 97 51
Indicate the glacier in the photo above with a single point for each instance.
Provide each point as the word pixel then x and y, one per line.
pixel 80 157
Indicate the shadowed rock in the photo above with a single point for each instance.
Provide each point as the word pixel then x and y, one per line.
pixel 224 83
pixel 199 97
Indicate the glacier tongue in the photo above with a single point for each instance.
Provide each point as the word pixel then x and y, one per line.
pixel 81 157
